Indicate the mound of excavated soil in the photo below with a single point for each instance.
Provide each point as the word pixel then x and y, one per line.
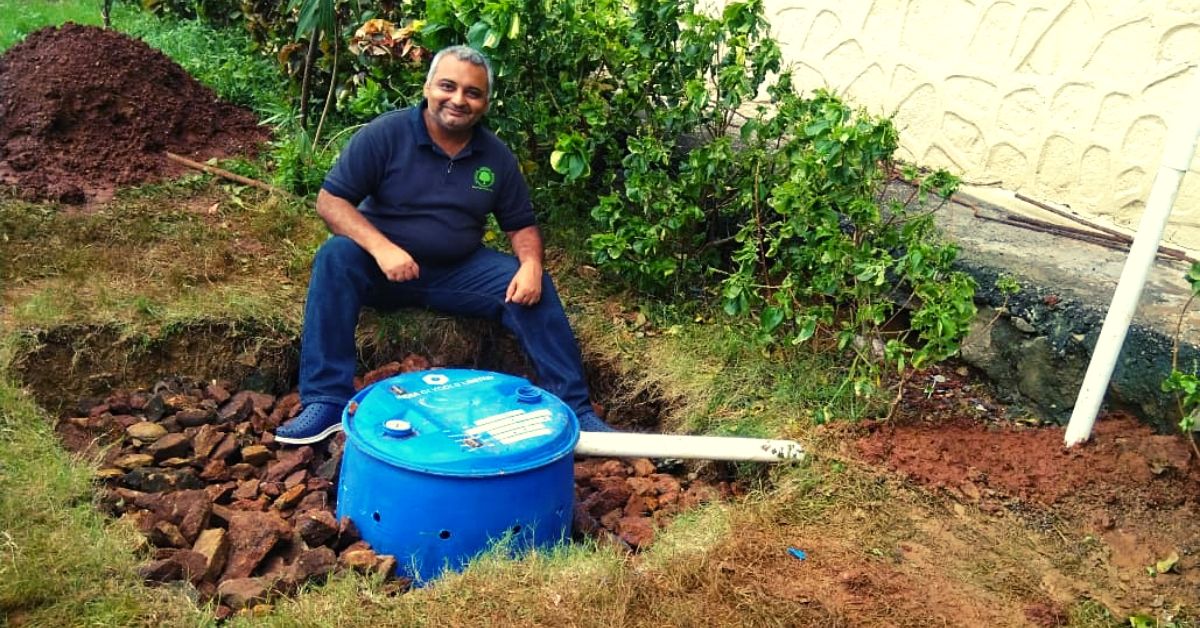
pixel 84 110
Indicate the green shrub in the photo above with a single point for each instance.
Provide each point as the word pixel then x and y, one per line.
pixel 642 118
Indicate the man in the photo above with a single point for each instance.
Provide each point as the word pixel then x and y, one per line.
pixel 407 202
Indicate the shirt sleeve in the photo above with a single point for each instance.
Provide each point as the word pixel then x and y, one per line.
pixel 514 209
pixel 358 171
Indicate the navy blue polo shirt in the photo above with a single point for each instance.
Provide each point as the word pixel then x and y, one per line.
pixel 433 206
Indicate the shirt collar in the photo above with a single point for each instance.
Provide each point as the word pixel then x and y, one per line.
pixel 421 134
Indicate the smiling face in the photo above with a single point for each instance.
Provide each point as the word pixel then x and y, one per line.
pixel 458 97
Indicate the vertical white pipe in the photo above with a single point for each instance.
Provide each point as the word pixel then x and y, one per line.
pixel 1177 158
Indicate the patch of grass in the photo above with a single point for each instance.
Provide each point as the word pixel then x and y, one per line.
pixel 163 253
pixel 19 18
pixel 229 65
pixel 61 562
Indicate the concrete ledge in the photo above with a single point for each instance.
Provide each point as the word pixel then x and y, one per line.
pixel 1036 344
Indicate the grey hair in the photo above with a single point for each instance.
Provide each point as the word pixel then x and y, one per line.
pixel 462 53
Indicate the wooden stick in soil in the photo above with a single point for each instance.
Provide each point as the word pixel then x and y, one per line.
pixel 225 174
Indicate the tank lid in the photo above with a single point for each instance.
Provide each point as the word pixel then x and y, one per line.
pixel 460 422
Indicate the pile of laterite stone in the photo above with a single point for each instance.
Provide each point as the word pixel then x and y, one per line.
pixel 194 467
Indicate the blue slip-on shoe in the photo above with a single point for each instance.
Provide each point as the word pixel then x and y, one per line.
pixel 316 423
pixel 589 422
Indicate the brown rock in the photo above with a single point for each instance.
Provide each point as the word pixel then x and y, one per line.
pixel 146 431
pixel 348 533
pixel 640 506
pixel 288 461
pixel 383 372
pixel 188 509
pixel 611 493
pixel 214 547
pixel 313 564
pixel 177 402
pixel 586 469
pixel 216 392
pixel 243 471
pixel 636 531
pixel 256 455
pixel 170 446
pixel 219 492
pixel 614 468
pixel 316 527
pixel 361 560
pixel 225 448
pixel 666 483
pixel 192 565
pixel 235 410
pixel 318 484
pixel 239 593
pixel 246 489
pixel 313 500
pixel 642 467
pixel 609 519
pixel 698 493
pixel 290 497
pixel 251 536
pixel 206 439
pixel 296 477
pixel 215 471
pixel 109 473
pixel 160 571
pixel 167 534
pixel 193 417
pixel 130 462
pixel 270 489
pixel 641 486
pixel 414 362
pixel 385 565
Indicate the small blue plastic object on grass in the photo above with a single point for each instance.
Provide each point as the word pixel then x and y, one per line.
pixel 797 553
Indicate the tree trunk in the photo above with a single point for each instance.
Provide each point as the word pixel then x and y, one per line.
pixel 310 60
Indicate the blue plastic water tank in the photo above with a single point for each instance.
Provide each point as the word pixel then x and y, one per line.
pixel 439 464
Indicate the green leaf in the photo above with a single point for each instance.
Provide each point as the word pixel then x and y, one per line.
pixel 771 318
pixel 479 34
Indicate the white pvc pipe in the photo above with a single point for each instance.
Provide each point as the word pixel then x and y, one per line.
pixel 633 445
pixel 1177 158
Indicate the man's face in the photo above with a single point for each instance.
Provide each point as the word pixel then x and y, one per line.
pixel 457 94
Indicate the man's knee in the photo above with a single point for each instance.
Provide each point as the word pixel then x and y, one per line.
pixel 340 252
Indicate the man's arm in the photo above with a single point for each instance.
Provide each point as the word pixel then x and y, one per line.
pixel 526 286
pixel 343 218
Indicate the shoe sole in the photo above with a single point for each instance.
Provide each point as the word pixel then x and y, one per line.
pixel 308 440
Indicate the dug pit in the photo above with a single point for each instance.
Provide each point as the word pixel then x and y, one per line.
pixel 192 464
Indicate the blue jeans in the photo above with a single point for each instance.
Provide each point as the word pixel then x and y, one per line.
pixel 345 278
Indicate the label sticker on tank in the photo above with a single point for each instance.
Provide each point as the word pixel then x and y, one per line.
pixel 445 384
pixel 511 427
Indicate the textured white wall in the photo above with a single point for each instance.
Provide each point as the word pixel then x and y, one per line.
pixel 1065 101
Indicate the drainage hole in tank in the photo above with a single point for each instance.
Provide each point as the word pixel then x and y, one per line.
pixel 375 515
pixel 444 534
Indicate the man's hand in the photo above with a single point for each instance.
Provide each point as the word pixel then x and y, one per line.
pixel 397 264
pixel 526 286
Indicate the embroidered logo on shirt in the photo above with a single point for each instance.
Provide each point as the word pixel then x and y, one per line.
pixel 484 178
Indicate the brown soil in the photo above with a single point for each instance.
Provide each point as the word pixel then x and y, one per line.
pixel 84 110
pixel 1132 491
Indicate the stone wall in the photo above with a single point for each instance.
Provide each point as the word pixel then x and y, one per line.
pixel 1065 101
